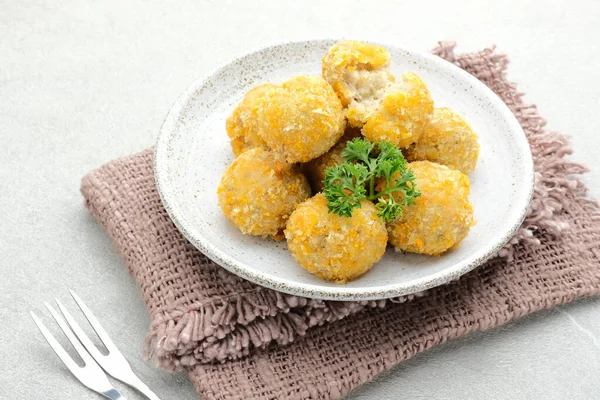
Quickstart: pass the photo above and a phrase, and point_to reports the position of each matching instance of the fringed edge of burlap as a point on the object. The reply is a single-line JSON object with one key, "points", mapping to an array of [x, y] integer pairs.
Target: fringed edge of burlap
{"points": [[226, 328]]}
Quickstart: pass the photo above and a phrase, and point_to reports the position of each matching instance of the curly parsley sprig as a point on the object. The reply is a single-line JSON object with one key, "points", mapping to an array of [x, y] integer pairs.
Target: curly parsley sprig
{"points": [[364, 163]]}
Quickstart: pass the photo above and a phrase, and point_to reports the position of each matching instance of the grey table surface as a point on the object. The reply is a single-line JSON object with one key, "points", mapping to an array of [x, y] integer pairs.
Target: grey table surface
{"points": [[83, 82]]}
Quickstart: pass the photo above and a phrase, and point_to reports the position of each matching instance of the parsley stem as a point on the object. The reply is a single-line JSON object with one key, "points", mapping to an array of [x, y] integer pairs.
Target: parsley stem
{"points": [[388, 191], [372, 166], [375, 196]]}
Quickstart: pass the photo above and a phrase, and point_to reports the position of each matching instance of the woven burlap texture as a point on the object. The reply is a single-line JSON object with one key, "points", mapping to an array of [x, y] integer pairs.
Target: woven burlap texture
{"points": [[273, 345]]}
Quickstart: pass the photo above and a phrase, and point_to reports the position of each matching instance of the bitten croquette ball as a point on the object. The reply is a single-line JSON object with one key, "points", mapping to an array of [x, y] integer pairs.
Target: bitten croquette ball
{"points": [[300, 119], [332, 247], [440, 218], [241, 126], [359, 74], [403, 113], [447, 139], [258, 193], [315, 169]]}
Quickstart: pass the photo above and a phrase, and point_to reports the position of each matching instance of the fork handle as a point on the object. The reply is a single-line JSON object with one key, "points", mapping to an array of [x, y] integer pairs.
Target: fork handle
{"points": [[137, 383], [112, 394]]}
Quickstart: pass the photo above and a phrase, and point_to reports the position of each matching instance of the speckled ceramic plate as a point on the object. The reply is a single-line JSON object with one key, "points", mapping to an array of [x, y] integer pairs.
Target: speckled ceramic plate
{"points": [[193, 151]]}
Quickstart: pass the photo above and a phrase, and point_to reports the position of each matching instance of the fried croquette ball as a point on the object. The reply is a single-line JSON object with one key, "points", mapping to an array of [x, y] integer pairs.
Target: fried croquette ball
{"points": [[240, 125], [315, 169], [300, 119], [258, 193], [359, 74], [440, 218], [447, 139], [332, 247], [403, 113]]}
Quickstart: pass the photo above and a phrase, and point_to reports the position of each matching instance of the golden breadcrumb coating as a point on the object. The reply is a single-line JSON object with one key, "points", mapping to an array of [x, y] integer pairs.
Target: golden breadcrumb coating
{"points": [[315, 169], [447, 139], [258, 193], [359, 74], [300, 119], [403, 113], [442, 215], [335, 248], [241, 126]]}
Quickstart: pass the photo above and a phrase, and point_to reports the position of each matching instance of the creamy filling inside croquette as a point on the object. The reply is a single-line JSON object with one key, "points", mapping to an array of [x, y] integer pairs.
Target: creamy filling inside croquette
{"points": [[369, 88]]}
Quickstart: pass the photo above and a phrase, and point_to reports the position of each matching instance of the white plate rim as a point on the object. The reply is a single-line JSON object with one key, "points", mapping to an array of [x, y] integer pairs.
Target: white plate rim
{"points": [[340, 292]]}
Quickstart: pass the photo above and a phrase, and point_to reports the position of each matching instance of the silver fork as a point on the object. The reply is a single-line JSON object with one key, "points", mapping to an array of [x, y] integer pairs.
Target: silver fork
{"points": [[91, 375]]}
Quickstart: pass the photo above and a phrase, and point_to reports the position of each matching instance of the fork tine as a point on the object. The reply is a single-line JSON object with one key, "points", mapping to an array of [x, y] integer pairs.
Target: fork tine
{"points": [[90, 375], [58, 349], [69, 334], [115, 364], [83, 338], [95, 324]]}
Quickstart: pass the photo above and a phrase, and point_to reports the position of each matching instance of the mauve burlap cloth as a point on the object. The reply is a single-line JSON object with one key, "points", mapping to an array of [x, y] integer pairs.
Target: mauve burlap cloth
{"points": [[273, 345]]}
